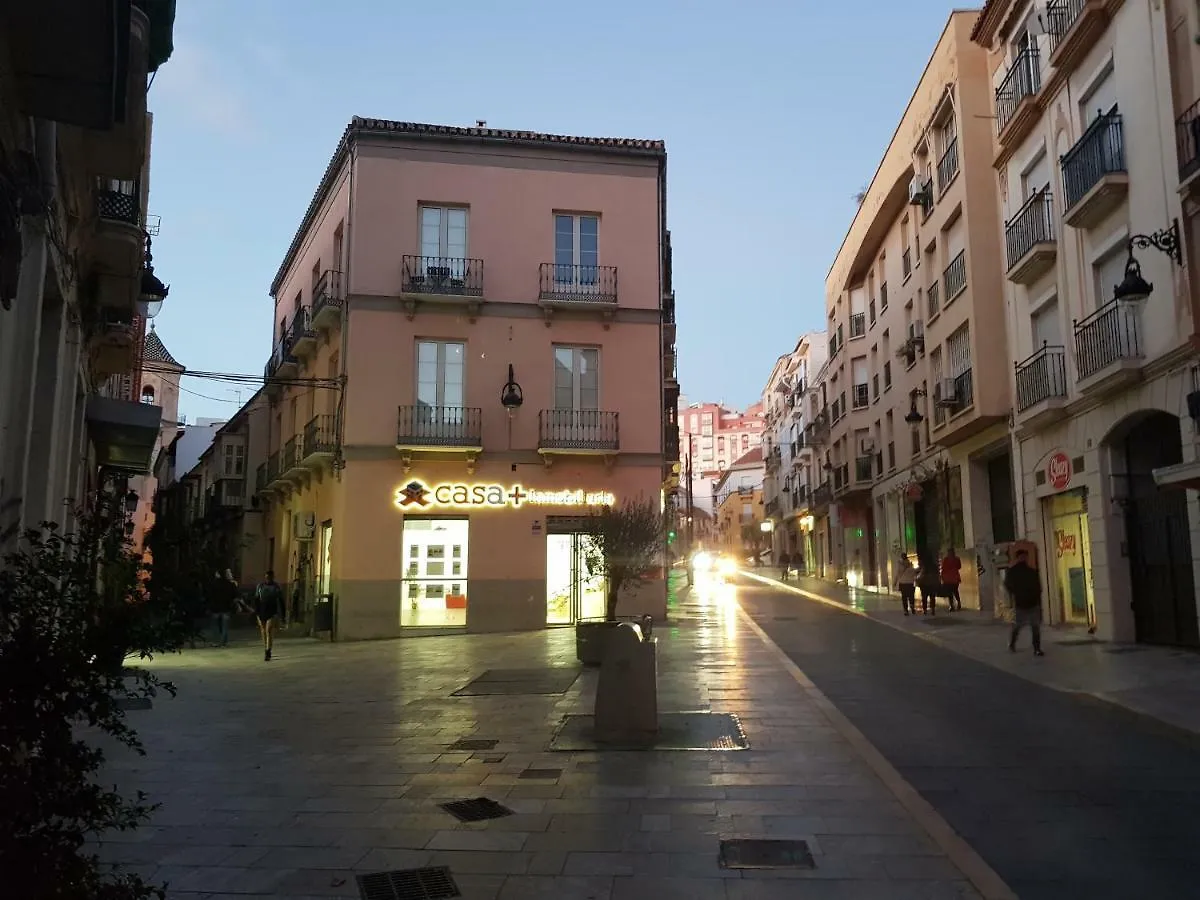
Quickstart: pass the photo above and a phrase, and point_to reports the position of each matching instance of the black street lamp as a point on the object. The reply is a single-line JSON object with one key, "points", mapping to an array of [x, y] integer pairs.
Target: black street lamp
{"points": [[511, 396], [1134, 288], [152, 291]]}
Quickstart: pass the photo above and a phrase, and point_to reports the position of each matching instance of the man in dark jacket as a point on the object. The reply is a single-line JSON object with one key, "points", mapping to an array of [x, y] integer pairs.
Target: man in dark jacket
{"points": [[268, 605], [1023, 584]]}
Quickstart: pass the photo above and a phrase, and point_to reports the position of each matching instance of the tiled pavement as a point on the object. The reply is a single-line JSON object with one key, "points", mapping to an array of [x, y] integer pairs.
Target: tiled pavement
{"points": [[1159, 682], [286, 779]]}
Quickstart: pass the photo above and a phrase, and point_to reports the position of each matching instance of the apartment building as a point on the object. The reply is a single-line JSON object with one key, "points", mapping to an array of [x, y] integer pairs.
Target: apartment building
{"points": [[717, 436], [916, 391], [788, 452], [76, 279], [1093, 186], [204, 486], [467, 323], [738, 501]]}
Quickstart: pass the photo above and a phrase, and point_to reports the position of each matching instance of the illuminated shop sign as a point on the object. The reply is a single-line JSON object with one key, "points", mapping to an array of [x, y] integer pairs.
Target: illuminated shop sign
{"points": [[417, 495]]}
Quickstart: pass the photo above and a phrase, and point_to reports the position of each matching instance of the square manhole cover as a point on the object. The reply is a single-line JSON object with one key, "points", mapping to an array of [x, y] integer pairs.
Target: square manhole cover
{"points": [[676, 731], [409, 884], [473, 744], [520, 682], [478, 810], [751, 853], [541, 774]]}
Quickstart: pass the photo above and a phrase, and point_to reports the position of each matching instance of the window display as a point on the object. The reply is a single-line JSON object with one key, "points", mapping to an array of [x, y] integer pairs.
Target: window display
{"points": [[434, 585]]}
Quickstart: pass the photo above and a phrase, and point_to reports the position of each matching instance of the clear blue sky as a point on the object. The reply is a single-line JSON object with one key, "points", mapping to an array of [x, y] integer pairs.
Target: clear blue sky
{"points": [[774, 116]]}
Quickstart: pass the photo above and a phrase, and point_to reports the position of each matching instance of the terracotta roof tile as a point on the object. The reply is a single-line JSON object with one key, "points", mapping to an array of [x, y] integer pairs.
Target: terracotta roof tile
{"points": [[363, 126]]}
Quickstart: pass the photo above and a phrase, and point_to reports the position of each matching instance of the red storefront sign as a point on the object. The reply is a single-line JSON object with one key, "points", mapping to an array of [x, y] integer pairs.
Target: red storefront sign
{"points": [[1058, 471]]}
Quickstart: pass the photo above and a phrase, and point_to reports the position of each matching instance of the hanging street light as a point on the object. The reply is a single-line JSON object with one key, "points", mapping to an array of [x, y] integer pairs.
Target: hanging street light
{"points": [[1134, 288]]}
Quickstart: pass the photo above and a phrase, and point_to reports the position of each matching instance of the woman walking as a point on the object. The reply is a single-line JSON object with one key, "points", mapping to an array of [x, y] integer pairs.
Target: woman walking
{"points": [[906, 584]]}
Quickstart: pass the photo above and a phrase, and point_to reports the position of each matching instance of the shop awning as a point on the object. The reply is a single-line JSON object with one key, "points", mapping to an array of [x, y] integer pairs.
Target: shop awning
{"points": [[1180, 475], [124, 432]]}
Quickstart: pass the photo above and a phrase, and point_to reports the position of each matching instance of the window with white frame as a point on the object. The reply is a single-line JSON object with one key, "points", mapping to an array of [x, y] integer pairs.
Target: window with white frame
{"points": [[1107, 273], [1045, 327], [235, 460], [443, 233], [440, 374], [576, 249], [576, 378]]}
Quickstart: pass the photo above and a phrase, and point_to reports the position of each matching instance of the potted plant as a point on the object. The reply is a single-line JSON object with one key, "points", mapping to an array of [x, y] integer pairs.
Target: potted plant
{"points": [[628, 542]]}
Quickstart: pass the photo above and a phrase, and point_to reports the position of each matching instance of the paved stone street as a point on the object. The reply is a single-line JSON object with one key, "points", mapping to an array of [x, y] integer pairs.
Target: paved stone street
{"points": [[1063, 796], [289, 778]]}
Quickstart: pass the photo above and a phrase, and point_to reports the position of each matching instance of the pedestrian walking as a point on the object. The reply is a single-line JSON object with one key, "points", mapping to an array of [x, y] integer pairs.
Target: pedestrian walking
{"points": [[221, 605], [929, 580], [1025, 587], [268, 605], [952, 579], [906, 584], [785, 562]]}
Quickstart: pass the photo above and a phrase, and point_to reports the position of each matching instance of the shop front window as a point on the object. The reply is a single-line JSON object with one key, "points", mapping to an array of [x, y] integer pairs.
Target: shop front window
{"points": [[434, 586], [1069, 553]]}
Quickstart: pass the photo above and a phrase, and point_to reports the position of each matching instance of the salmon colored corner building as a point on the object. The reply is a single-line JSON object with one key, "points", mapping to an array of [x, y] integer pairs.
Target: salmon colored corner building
{"points": [[473, 348]]}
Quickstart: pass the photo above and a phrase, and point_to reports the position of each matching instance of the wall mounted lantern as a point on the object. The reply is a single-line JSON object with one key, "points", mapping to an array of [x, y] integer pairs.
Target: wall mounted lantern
{"points": [[152, 291], [511, 396], [1134, 288]]}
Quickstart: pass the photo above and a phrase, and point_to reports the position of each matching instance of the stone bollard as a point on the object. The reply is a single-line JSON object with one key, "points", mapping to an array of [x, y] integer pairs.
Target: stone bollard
{"points": [[627, 695]]}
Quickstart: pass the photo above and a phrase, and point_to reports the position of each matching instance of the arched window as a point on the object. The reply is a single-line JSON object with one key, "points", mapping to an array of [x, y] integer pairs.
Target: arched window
{"points": [[148, 394]]}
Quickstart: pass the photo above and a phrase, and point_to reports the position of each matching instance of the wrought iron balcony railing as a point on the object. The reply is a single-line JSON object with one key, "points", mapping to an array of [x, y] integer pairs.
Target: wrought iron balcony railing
{"points": [[327, 293], [1108, 335], [858, 324], [864, 469], [320, 435], [860, 395], [577, 284], [1024, 79], [947, 167], [1033, 224], [1041, 376], [955, 276], [439, 426], [578, 429], [1060, 16], [273, 467], [964, 390], [449, 276], [118, 206], [934, 299], [290, 458], [1100, 152], [1187, 141]]}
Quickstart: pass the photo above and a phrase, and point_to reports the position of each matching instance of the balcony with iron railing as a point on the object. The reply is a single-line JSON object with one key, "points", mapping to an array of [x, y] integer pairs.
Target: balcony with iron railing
{"points": [[1073, 27], [858, 325], [118, 243], [947, 167], [860, 396], [774, 459], [320, 439], [327, 300], [302, 337], [423, 427], [1095, 180], [864, 469], [578, 431], [1108, 346], [577, 286], [954, 277], [289, 459], [281, 365], [1029, 239], [1187, 142], [822, 495], [934, 300], [964, 390], [272, 468], [1016, 98], [441, 278], [1041, 384]]}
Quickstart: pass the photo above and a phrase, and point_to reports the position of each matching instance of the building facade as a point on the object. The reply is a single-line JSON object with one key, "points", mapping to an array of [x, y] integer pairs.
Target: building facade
{"points": [[916, 392], [76, 285], [467, 325], [1092, 177], [788, 449], [738, 501]]}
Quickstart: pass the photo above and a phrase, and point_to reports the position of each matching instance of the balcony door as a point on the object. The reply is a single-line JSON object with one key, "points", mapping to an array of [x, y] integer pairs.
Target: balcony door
{"points": [[443, 244], [576, 252], [576, 415], [440, 389]]}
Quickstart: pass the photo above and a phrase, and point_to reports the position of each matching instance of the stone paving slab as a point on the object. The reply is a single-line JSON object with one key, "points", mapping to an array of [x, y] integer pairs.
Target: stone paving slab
{"points": [[1157, 682], [289, 778]]}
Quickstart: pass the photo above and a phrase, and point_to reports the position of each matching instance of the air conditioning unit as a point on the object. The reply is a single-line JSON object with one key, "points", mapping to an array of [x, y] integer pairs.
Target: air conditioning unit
{"points": [[945, 393], [916, 190], [866, 446], [304, 525], [916, 330]]}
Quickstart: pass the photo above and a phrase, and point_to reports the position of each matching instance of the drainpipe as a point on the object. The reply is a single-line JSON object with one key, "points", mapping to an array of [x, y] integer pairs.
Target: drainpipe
{"points": [[26, 327]]}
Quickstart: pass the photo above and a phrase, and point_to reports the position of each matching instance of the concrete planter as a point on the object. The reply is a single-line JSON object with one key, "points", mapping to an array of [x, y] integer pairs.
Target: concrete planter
{"points": [[591, 636]]}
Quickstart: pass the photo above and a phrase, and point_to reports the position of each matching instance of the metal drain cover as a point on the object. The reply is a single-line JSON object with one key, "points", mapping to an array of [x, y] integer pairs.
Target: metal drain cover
{"points": [[478, 810], [473, 744], [408, 884], [751, 853], [547, 774]]}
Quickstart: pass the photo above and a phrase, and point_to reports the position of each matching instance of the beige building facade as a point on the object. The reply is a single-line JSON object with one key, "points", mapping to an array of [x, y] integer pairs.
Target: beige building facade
{"points": [[912, 437]]}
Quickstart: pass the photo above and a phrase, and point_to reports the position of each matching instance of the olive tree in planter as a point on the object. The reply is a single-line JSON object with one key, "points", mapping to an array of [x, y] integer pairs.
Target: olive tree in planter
{"points": [[627, 543]]}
